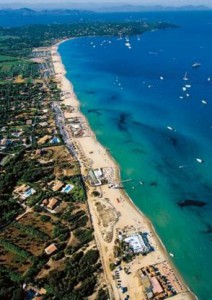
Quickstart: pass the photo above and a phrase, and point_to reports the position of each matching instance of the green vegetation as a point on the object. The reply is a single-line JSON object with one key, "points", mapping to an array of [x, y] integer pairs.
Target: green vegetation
{"points": [[102, 295], [61, 232], [15, 249], [9, 209], [78, 279], [16, 44], [20, 41], [84, 235], [38, 263], [90, 258], [10, 288], [78, 193], [29, 230], [5, 58], [19, 170]]}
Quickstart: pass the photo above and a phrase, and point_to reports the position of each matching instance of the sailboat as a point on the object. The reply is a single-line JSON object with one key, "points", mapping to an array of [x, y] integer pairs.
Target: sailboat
{"points": [[185, 76]]}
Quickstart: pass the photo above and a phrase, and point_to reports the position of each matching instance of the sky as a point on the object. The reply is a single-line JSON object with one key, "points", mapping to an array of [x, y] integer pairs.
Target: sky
{"points": [[68, 3]]}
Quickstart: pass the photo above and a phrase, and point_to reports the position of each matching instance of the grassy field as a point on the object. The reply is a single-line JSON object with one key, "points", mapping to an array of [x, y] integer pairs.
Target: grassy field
{"points": [[5, 58], [13, 67]]}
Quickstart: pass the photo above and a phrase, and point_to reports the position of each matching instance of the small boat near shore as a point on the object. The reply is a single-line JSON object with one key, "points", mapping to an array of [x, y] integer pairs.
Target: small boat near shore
{"points": [[128, 45], [171, 254]]}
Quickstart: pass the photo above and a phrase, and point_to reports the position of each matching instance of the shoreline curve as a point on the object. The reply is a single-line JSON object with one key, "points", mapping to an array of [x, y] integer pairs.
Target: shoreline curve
{"points": [[128, 204]]}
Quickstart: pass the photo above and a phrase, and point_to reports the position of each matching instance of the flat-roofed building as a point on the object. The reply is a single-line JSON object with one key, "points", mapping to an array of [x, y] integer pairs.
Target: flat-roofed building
{"points": [[156, 286], [28, 122], [94, 180], [98, 173], [137, 244], [50, 249], [57, 185]]}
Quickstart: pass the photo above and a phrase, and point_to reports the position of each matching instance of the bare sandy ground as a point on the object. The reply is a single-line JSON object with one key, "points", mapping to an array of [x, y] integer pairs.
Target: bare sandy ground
{"points": [[118, 214]]}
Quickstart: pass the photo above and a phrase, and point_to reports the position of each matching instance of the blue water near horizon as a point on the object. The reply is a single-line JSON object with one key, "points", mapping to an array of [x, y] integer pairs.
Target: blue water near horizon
{"points": [[129, 108]]}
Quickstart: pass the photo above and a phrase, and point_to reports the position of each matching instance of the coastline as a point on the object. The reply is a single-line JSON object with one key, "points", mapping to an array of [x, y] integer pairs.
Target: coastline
{"points": [[127, 213]]}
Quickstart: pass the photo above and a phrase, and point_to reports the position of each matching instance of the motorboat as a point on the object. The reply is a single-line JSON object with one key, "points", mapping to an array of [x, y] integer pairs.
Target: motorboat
{"points": [[199, 160], [196, 65]]}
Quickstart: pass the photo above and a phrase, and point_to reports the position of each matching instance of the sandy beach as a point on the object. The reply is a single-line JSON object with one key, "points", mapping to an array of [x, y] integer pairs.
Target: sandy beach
{"points": [[112, 211]]}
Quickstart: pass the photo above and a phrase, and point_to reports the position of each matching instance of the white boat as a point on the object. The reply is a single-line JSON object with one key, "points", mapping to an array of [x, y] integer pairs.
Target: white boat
{"points": [[161, 78], [128, 45], [185, 77], [209, 79], [181, 97], [187, 95], [170, 128], [184, 88], [188, 86], [199, 160], [196, 65], [171, 254], [141, 182], [204, 102]]}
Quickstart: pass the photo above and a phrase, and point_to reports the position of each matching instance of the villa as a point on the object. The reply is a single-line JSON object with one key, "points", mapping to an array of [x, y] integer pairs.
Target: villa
{"points": [[57, 185], [29, 192], [24, 191], [51, 204]]}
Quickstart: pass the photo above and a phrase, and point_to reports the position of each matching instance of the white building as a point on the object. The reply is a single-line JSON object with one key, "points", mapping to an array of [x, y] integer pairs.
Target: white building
{"points": [[137, 244]]}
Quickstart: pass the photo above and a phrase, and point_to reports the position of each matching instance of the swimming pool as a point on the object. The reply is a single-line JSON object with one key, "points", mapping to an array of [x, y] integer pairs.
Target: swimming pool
{"points": [[67, 188]]}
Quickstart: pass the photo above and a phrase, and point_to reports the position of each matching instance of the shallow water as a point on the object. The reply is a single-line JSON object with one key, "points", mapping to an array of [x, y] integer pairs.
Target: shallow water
{"points": [[129, 108]]}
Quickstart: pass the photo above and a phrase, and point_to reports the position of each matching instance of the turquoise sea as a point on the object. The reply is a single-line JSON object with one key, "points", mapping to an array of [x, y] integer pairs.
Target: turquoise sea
{"points": [[130, 96]]}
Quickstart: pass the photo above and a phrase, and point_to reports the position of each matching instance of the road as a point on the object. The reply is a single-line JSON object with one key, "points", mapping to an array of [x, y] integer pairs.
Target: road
{"points": [[65, 133]]}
